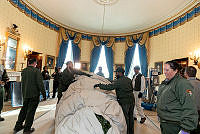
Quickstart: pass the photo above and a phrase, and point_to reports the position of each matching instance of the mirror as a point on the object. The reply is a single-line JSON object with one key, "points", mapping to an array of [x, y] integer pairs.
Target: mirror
{"points": [[11, 49]]}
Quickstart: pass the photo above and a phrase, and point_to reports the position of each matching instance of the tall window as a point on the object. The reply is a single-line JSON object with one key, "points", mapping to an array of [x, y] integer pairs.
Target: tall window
{"points": [[135, 62], [69, 55], [102, 63]]}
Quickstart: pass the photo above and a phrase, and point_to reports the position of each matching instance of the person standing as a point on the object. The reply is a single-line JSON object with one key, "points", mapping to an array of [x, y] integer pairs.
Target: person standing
{"points": [[32, 85], [138, 82], [68, 77], [46, 78], [56, 76], [175, 102], [190, 74], [125, 97], [100, 73], [3, 78]]}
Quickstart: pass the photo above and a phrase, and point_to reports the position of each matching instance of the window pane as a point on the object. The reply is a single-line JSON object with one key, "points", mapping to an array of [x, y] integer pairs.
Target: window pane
{"points": [[102, 63], [69, 55], [135, 62]]}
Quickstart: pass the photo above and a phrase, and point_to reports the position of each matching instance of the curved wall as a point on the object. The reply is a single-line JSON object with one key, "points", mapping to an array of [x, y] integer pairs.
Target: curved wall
{"points": [[38, 37], [175, 44]]}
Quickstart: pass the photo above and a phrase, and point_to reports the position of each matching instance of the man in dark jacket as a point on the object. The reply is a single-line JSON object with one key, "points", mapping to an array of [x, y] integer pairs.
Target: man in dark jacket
{"points": [[46, 78], [32, 85], [56, 76], [3, 79], [190, 74], [125, 97], [67, 78]]}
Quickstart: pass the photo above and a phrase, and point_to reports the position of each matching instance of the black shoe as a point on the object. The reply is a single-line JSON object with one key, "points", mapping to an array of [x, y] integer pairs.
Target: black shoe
{"points": [[142, 120], [135, 118], [29, 131], [2, 119], [17, 129]]}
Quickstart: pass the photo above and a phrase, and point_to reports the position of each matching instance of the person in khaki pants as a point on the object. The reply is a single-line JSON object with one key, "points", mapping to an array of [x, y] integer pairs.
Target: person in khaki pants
{"points": [[138, 82], [32, 85]]}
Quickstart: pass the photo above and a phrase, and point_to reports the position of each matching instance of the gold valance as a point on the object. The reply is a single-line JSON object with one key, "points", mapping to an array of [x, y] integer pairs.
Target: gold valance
{"points": [[95, 41], [145, 37], [138, 38], [99, 40], [110, 42], [129, 41], [77, 38]]}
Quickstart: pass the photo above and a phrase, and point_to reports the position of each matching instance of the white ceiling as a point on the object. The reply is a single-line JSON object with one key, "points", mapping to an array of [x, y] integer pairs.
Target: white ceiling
{"points": [[124, 16]]}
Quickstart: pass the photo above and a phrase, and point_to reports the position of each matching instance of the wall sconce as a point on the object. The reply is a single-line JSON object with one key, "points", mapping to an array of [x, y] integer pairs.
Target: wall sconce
{"points": [[196, 57], [2, 40], [27, 52]]}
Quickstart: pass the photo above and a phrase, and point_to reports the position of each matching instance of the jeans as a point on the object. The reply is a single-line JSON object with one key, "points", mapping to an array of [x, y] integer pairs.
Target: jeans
{"points": [[46, 87]]}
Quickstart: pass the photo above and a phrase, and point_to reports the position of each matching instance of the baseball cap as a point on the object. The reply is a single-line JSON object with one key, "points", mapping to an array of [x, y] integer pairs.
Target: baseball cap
{"points": [[137, 68]]}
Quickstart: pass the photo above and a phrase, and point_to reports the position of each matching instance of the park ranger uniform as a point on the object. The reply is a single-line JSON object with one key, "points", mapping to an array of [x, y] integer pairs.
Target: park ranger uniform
{"points": [[3, 78], [125, 97], [176, 106]]}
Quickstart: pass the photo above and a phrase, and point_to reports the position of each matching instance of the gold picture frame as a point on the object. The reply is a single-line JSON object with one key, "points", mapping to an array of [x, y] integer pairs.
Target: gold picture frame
{"points": [[11, 49], [159, 66], [50, 61]]}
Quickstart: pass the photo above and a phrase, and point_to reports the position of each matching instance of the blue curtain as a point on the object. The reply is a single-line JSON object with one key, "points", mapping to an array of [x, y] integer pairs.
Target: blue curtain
{"points": [[76, 52], [109, 61], [143, 59], [62, 53], [75, 49], [94, 57], [128, 58]]}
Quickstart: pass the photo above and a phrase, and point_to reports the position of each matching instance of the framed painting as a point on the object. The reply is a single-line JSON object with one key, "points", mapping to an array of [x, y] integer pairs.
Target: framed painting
{"points": [[159, 67], [50, 61], [84, 66]]}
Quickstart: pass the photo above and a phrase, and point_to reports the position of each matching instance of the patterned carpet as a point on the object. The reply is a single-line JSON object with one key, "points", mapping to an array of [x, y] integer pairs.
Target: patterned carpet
{"points": [[7, 107]]}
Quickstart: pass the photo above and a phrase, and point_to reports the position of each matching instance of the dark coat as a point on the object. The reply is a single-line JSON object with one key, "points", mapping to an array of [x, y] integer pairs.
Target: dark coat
{"points": [[32, 83]]}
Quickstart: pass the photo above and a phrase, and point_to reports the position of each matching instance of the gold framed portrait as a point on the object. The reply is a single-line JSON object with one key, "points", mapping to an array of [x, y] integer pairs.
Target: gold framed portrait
{"points": [[50, 61]]}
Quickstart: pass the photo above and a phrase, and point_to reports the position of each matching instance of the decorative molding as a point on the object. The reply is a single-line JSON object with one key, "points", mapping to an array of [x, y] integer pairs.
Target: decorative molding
{"points": [[54, 25], [28, 11], [189, 15]]}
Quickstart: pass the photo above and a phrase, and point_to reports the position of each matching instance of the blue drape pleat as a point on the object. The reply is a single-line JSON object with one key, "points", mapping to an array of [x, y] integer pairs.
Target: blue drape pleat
{"points": [[128, 58], [143, 59], [76, 52], [94, 58], [109, 61], [62, 53]]}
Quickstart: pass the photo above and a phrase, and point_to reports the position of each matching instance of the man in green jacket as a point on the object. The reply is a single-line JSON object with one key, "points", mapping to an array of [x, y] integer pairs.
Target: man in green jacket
{"points": [[175, 105], [190, 74], [125, 97], [3, 79], [32, 85]]}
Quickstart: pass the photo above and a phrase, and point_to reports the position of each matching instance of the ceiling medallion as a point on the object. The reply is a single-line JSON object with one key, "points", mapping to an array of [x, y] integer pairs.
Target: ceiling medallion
{"points": [[106, 2]]}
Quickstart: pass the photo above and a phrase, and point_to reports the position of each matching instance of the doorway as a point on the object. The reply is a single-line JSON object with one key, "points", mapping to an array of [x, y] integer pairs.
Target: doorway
{"points": [[38, 57]]}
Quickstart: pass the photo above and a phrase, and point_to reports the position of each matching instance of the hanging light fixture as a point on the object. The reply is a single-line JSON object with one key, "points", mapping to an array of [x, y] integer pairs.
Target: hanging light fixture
{"points": [[106, 2]]}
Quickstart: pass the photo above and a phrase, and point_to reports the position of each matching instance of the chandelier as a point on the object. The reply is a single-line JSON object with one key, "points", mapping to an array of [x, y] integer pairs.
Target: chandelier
{"points": [[106, 2]]}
